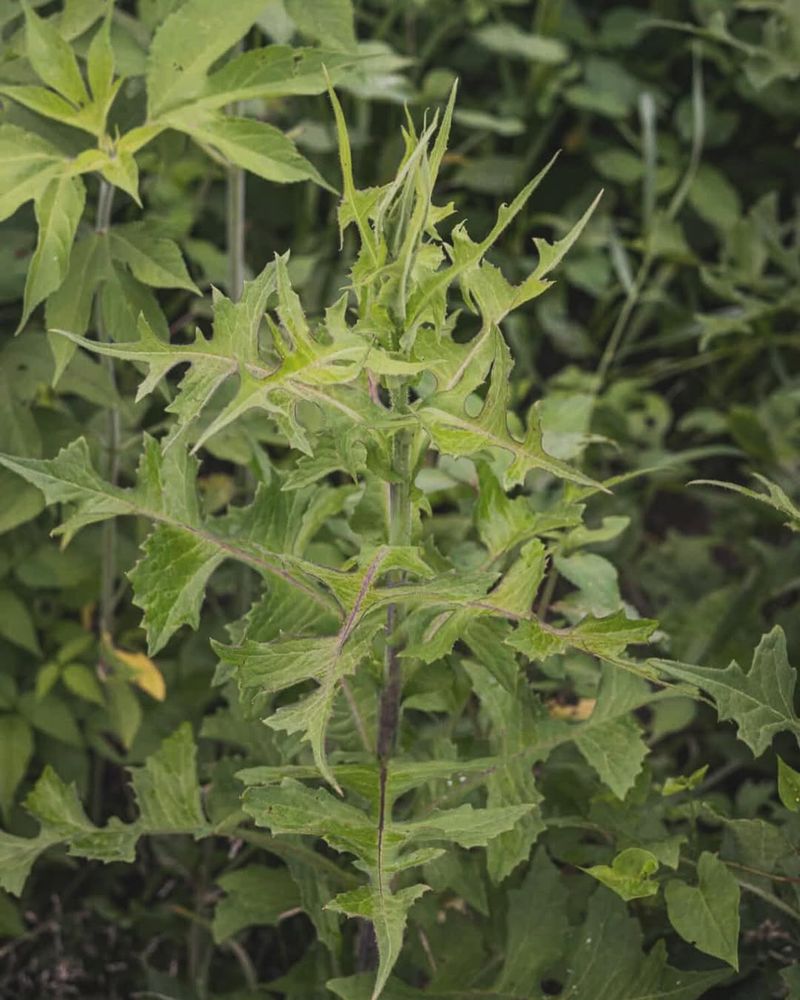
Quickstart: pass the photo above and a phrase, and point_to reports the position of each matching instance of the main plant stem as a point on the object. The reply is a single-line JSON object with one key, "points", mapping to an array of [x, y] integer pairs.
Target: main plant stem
{"points": [[108, 573], [399, 534], [235, 222]]}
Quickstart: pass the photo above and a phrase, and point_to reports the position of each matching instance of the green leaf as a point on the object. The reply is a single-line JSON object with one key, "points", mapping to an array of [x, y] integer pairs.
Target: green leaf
{"points": [[513, 714], [57, 807], [52, 58], [254, 896], [610, 739], [170, 580], [187, 44], [270, 667], [19, 502], [330, 373], [551, 254], [454, 432], [707, 915], [256, 146], [606, 960], [16, 749], [606, 638], [788, 786], [52, 716], [775, 497], [165, 494], [271, 72], [595, 577], [388, 914], [502, 522], [326, 21], [509, 40], [166, 787], [629, 874], [153, 259], [58, 212], [714, 198], [760, 702], [17, 855], [536, 926], [100, 63], [80, 680], [16, 624], [70, 307], [27, 165]]}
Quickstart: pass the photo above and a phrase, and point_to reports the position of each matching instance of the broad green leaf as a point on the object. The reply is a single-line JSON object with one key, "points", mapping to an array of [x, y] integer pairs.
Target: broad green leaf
{"points": [[788, 786], [166, 495], [52, 58], [187, 44], [169, 582], [596, 579], [509, 40], [501, 522], [50, 105], [58, 212], [536, 926], [254, 895], [760, 702], [27, 165], [80, 680], [714, 198], [606, 960], [606, 637], [513, 714], [18, 502], [57, 807], [256, 146], [166, 787], [153, 259], [70, 307], [467, 826], [629, 875], [707, 915], [16, 748], [610, 739], [100, 63], [326, 21], [17, 855], [16, 624], [388, 913], [271, 72]]}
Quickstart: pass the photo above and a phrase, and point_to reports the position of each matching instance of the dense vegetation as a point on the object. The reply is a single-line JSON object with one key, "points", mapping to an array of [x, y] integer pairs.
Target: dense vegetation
{"points": [[399, 535]]}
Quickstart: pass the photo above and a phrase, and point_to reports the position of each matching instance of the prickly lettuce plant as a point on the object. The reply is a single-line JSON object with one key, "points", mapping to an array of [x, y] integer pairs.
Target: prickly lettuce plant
{"points": [[472, 749], [118, 136]]}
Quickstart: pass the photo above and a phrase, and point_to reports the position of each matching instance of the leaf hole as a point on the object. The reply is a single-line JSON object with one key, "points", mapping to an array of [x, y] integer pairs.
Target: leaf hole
{"points": [[551, 987]]}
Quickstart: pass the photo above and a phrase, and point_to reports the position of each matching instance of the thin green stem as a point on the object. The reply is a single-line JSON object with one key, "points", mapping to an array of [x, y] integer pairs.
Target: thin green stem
{"points": [[108, 572], [235, 224]]}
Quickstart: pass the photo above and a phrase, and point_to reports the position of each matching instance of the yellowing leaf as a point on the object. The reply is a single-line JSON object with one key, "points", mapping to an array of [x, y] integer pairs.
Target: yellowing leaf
{"points": [[146, 674], [578, 712]]}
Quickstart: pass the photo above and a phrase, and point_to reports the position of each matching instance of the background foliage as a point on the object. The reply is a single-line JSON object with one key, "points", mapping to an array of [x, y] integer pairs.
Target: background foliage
{"points": [[154, 151]]}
